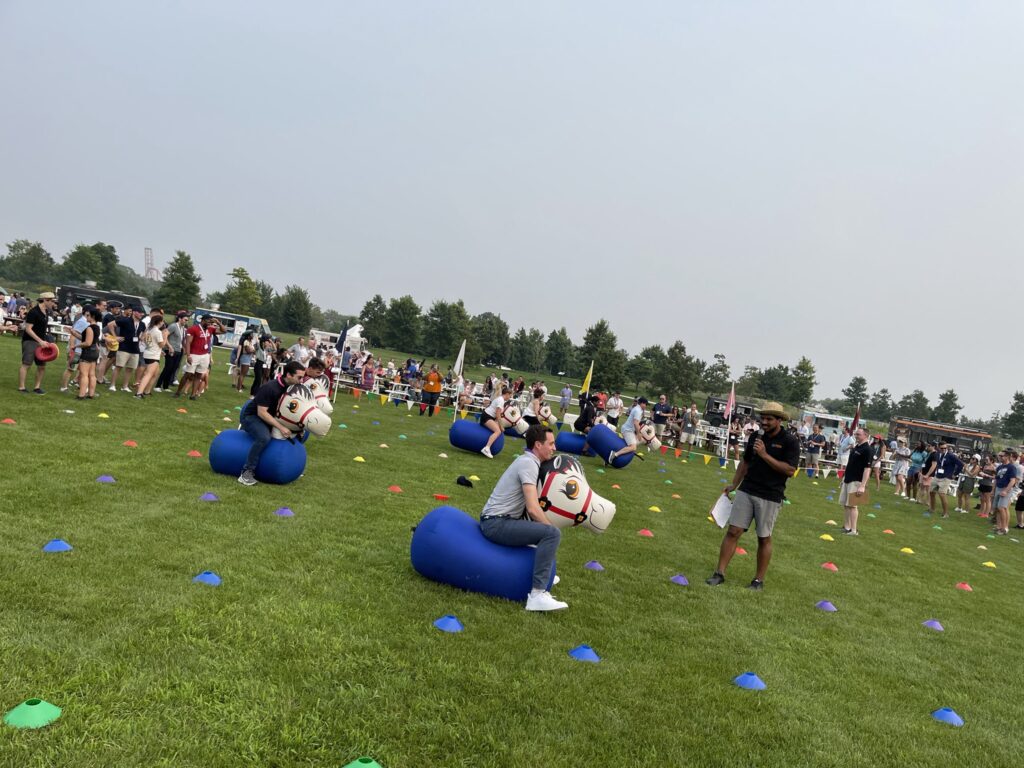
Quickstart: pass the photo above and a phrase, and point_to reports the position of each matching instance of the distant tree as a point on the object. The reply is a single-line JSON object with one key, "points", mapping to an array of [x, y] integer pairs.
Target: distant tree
{"points": [[837, 405], [559, 352], [295, 310], [28, 262], [269, 306], [491, 339], [678, 374], [445, 326], [639, 369], [403, 325], [240, 295], [802, 381], [948, 408], [748, 385], [372, 319], [775, 384], [80, 264], [914, 406], [110, 277], [993, 424], [600, 345], [856, 392], [1013, 422], [180, 287], [333, 320], [526, 351], [717, 375], [879, 407]]}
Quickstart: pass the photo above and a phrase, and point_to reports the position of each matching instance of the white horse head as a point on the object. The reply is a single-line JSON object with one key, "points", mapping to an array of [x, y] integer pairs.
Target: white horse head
{"points": [[509, 416], [649, 437], [320, 386], [297, 408], [566, 497]]}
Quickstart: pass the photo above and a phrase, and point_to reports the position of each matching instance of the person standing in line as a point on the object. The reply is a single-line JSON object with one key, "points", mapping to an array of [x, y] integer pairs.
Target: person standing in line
{"points": [[946, 469], [660, 413], [771, 457], [432, 383], [174, 336], [917, 459], [901, 465], [33, 336], [1006, 479], [855, 480], [967, 480], [613, 408], [90, 353], [815, 445]]}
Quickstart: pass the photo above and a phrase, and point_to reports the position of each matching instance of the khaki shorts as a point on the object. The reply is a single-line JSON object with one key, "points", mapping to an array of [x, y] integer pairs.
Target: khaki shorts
{"points": [[747, 508], [199, 364], [939, 485], [812, 459], [659, 429], [127, 359], [629, 437], [846, 491]]}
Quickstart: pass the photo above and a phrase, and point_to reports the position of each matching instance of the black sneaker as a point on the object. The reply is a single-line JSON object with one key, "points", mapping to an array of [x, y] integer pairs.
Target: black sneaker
{"points": [[757, 585], [38, 391], [716, 579], [844, 530], [248, 477]]}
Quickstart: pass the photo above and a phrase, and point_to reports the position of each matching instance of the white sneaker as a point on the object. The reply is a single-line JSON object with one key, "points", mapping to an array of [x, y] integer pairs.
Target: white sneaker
{"points": [[543, 601], [125, 389], [487, 452], [157, 389], [555, 581], [63, 389], [113, 388]]}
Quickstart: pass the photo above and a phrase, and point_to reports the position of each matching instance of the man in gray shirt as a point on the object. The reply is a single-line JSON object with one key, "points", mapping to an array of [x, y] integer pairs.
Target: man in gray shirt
{"points": [[512, 515], [174, 335]]}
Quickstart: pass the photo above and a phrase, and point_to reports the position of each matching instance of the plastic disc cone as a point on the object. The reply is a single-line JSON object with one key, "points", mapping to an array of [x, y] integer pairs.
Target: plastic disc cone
{"points": [[964, 586], [105, 479], [830, 567], [209, 497], [34, 713], [448, 623], [947, 715], [645, 532], [584, 653], [679, 579], [933, 624], [57, 545], [989, 564], [750, 682], [907, 550], [593, 565], [826, 537], [825, 605], [284, 512], [363, 762], [209, 578]]}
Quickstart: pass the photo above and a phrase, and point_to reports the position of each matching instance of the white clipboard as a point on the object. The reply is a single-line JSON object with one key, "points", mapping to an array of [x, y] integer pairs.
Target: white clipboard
{"points": [[722, 510]]}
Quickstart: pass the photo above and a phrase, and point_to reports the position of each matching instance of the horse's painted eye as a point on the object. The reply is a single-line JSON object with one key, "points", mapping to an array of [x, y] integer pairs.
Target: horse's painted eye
{"points": [[572, 489], [293, 406]]}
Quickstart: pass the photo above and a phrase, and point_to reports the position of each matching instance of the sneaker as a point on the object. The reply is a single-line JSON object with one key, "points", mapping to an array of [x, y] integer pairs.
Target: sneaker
{"points": [[543, 601], [716, 579], [157, 389], [851, 533], [39, 391], [756, 584], [63, 389], [23, 390], [113, 388], [248, 477], [610, 459], [487, 452], [844, 530], [554, 582], [1019, 526], [139, 397], [126, 389]]}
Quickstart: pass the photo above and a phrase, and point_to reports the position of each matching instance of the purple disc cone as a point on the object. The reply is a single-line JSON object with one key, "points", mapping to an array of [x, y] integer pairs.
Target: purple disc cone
{"points": [[376, 423], [209, 497], [284, 512], [663, 470], [209, 578], [593, 565], [57, 545], [584, 653], [106, 479], [680, 580], [448, 624], [825, 605], [750, 682], [933, 624], [947, 715]]}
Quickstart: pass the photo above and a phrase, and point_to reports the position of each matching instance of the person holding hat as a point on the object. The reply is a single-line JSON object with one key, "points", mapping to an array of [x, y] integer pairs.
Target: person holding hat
{"points": [[630, 429], [33, 336], [771, 457]]}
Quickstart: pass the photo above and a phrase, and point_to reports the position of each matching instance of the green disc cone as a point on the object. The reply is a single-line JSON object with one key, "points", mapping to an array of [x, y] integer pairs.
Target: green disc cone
{"points": [[34, 713], [363, 762]]}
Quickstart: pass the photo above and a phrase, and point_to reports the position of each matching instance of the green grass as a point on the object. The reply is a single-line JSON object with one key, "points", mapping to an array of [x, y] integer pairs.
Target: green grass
{"points": [[318, 647]]}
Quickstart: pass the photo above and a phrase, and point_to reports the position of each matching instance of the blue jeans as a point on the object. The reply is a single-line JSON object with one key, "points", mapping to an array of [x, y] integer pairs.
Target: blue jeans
{"points": [[519, 533], [258, 430]]}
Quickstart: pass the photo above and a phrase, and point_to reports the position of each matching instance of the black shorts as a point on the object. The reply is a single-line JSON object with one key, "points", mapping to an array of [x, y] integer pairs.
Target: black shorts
{"points": [[486, 417], [734, 440], [613, 420], [90, 355], [531, 420], [982, 488], [151, 362], [429, 398], [1019, 506]]}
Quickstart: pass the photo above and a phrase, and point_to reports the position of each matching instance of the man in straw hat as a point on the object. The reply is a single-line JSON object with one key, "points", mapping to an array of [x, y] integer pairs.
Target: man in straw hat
{"points": [[33, 336], [771, 457]]}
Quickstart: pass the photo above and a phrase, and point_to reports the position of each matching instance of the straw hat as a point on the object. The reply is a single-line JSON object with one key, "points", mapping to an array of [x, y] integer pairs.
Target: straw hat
{"points": [[773, 409]]}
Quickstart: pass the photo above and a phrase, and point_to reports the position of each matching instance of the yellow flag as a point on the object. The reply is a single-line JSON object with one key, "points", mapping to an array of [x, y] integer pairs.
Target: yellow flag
{"points": [[586, 381], [463, 413], [383, 399], [706, 460]]}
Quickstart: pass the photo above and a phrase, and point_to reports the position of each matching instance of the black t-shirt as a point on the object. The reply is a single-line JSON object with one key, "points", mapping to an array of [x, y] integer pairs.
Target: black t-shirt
{"points": [[931, 461], [130, 331], [761, 480], [586, 418], [815, 443], [860, 459], [36, 318], [268, 395]]}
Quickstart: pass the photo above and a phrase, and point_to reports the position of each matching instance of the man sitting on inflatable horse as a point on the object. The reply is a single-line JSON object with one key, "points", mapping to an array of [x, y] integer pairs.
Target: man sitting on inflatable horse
{"points": [[513, 516]]}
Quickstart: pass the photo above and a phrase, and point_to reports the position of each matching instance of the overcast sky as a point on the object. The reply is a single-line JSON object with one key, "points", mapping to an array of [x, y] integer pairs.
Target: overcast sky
{"points": [[841, 180]]}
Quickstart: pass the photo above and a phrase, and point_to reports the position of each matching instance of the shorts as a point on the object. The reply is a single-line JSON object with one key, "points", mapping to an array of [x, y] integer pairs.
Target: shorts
{"points": [[913, 472], [1002, 502], [1019, 506], [846, 492], [659, 430], [90, 355], [982, 488], [485, 418], [746, 508], [430, 398], [939, 485], [148, 361], [28, 352], [127, 359], [967, 486], [531, 420], [199, 364], [812, 459], [245, 360], [629, 437], [844, 459], [734, 439], [613, 420], [876, 464]]}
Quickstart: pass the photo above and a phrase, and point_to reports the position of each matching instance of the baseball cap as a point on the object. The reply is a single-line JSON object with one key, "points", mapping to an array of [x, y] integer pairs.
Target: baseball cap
{"points": [[46, 295]]}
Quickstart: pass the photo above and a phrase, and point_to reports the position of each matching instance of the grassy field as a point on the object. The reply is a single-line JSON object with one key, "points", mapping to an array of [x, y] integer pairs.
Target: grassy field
{"points": [[318, 646]]}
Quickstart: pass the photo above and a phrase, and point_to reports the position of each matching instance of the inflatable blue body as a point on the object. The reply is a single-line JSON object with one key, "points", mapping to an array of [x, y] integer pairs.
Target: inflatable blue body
{"points": [[604, 441], [470, 436], [571, 442], [447, 546], [281, 461]]}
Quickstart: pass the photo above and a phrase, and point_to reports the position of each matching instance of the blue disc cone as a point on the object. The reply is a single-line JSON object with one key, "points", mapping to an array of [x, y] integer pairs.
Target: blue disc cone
{"points": [[750, 682], [376, 423], [57, 545], [594, 565], [947, 715], [106, 479], [584, 653], [209, 578], [878, 506], [448, 623], [284, 512], [933, 624], [209, 497], [826, 606], [679, 579]]}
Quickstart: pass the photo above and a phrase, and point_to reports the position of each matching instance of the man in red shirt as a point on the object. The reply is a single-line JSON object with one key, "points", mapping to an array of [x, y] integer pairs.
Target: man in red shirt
{"points": [[198, 354]]}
